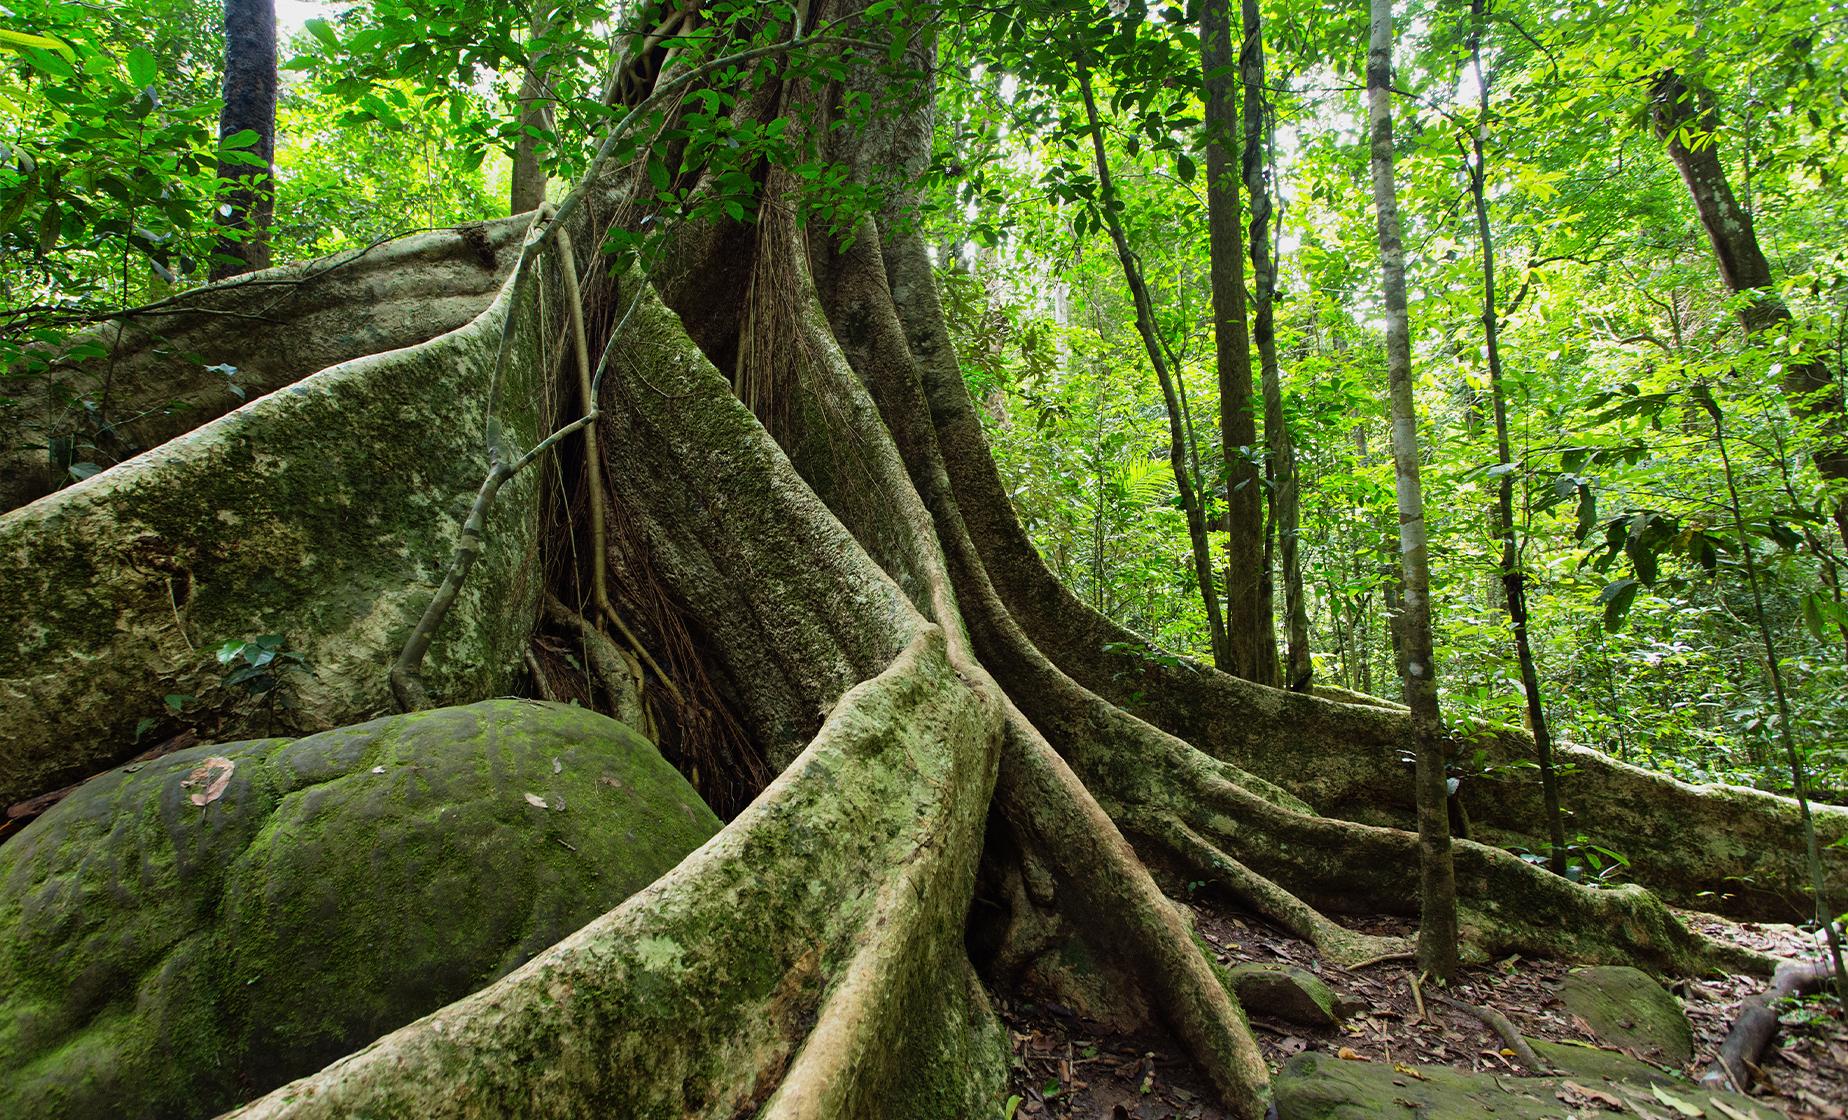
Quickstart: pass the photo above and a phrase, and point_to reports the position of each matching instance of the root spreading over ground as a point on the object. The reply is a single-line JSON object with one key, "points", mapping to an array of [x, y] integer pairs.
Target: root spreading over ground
{"points": [[806, 534]]}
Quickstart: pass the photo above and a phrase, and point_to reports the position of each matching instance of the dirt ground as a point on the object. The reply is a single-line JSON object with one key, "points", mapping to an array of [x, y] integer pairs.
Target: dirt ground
{"points": [[1067, 1067]]}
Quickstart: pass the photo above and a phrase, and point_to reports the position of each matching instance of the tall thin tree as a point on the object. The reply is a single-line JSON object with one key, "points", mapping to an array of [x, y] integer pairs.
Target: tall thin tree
{"points": [[1249, 630], [1187, 484], [1437, 927], [1513, 573], [1285, 511], [1687, 118], [250, 105], [535, 119]]}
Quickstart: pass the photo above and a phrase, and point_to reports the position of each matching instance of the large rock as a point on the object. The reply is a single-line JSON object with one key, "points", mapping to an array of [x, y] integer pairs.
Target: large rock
{"points": [[1628, 1010], [160, 957], [1323, 1087]]}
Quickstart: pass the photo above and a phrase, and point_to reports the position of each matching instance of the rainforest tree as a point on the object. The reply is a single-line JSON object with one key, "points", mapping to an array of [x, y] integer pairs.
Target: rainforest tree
{"points": [[791, 545]]}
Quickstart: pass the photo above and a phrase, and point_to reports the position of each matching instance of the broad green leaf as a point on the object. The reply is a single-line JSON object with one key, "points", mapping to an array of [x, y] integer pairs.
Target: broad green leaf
{"points": [[142, 69]]}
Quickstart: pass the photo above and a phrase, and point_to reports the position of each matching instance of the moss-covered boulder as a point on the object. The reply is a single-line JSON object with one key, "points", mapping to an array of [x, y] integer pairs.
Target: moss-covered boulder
{"points": [[181, 935], [1323, 1087], [1628, 1010]]}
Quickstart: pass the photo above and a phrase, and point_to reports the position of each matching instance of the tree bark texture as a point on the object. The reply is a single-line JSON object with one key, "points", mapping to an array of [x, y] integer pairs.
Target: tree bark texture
{"points": [[250, 103], [1284, 498], [1688, 122], [1513, 574], [536, 114], [955, 775], [1437, 930], [1190, 486], [1250, 635]]}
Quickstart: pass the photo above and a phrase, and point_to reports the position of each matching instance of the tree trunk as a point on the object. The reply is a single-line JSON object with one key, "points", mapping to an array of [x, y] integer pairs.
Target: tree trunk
{"points": [[1688, 121], [1285, 500], [1189, 485], [1513, 576], [250, 104], [535, 115], [1437, 929], [911, 712], [1250, 636]]}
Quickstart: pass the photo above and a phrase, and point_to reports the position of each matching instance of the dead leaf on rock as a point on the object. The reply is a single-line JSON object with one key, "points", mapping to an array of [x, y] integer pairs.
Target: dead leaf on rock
{"points": [[1347, 1054], [214, 775], [536, 801], [1578, 1096]]}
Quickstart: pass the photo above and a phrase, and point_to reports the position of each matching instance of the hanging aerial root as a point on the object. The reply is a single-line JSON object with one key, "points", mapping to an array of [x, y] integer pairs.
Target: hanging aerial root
{"points": [[613, 668]]}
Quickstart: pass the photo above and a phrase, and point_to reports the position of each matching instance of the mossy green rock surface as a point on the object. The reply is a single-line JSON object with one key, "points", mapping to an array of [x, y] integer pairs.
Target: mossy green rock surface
{"points": [[1628, 1010], [1294, 995], [1323, 1087], [162, 958]]}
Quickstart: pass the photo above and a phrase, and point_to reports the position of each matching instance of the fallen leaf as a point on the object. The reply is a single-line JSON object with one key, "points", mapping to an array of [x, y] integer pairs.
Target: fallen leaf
{"points": [[1671, 1100], [1349, 1055], [1401, 1067], [214, 774], [536, 801], [1586, 1093], [557, 767], [378, 769], [1732, 1113]]}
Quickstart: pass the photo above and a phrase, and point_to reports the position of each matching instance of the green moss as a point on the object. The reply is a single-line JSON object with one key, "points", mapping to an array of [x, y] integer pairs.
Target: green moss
{"points": [[324, 512], [1627, 1009], [167, 958]]}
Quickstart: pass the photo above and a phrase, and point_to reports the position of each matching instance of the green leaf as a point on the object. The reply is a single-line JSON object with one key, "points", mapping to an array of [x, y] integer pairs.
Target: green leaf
{"points": [[1184, 167], [1617, 598], [243, 139], [16, 40], [323, 31], [142, 69]]}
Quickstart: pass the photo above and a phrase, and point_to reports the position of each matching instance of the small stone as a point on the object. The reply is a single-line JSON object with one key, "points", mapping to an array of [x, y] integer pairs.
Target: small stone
{"points": [[1291, 994]]}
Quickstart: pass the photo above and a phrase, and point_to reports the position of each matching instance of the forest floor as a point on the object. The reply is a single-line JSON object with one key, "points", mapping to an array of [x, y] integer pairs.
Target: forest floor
{"points": [[1068, 1067]]}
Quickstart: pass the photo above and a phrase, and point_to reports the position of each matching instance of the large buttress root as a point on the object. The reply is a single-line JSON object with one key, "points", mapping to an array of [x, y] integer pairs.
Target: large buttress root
{"points": [[1711, 846], [1264, 845], [174, 365]]}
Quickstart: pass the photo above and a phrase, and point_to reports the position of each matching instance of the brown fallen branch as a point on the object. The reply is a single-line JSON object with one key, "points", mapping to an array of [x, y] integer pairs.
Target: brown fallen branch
{"points": [[1757, 1024], [1511, 1038]]}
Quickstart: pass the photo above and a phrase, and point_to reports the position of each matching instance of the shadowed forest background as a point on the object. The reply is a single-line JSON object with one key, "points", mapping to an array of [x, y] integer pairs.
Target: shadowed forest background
{"points": [[1394, 429]]}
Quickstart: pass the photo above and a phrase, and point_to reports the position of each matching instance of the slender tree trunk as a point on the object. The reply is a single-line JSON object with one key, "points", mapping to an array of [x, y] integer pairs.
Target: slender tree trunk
{"points": [[1285, 505], [1799, 779], [529, 178], [1813, 395], [250, 103], [1513, 575], [1437, 930], [1249, 631], [1192, 500]]}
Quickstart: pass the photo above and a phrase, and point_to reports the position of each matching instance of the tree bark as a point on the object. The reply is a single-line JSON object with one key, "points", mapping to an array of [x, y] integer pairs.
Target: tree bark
{"points": [[843, 571], [529, 177], [1250, 635], [1437, 929], [1687, 120], [1513, 574], [1190, 487], [1285, 499], [250, 103]]}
